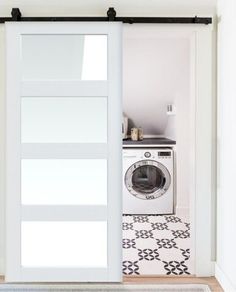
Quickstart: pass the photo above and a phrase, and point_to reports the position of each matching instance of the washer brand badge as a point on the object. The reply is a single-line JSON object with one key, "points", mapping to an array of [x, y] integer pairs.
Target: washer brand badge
{"points": [[150, 197]]}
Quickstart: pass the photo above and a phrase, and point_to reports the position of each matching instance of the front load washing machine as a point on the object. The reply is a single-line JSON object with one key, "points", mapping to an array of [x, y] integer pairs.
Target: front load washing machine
{"points": [[148, 186]]}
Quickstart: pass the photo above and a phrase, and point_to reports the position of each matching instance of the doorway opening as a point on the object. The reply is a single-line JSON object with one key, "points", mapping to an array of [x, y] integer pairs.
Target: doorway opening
{"points": [[158, 171]]}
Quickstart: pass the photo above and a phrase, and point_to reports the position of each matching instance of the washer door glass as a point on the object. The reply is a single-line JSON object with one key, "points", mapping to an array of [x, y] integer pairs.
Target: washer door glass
{"points": [[147, 179]]}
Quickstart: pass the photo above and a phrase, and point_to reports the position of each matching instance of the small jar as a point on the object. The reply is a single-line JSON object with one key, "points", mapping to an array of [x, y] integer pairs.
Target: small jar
{"points": [[134, 134], [140, 133]]}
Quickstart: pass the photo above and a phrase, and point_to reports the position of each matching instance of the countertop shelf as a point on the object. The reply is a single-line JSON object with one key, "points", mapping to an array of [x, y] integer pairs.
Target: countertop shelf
{"points": [[149, 142]]}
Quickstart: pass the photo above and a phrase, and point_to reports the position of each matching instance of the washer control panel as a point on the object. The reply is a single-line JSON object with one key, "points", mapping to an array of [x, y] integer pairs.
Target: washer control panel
{"points": [[164, 154]]}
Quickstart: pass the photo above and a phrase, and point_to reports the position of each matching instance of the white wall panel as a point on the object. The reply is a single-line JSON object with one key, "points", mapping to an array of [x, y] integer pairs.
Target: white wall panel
{"points": [[226, 139]]}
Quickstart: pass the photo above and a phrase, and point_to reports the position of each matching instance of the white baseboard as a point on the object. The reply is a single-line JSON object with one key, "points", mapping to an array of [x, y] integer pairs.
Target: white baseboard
{"points": [[223, 280], [183, 213]]}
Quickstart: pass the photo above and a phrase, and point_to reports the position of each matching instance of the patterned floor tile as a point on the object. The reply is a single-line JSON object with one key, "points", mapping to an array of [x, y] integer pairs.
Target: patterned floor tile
{"points": [[176, 268], [128, 218], [156, 245], [144, 234], [177, 226], [129, 234], [128, 243], [183, 243], [189, 263], [141, 218], [132, 254], [159, 226], [151, 268], [171, 254], [148, 254], [166, 243], [146, 243], [157, 218], [127, 226], [179, 233], [142, 226], [130, 268], [172, 219], [160, 234]]}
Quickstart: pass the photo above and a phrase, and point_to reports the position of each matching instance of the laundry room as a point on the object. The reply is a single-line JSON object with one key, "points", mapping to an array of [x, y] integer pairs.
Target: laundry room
{"points": [[158, 143]]}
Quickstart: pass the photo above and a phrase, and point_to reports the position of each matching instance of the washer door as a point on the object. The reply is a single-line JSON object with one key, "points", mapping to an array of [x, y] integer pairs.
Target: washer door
{"points": [[147, 179]]}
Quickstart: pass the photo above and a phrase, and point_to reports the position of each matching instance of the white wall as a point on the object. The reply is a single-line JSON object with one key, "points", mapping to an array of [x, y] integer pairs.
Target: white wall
{"points": [[156, 72], [226, 199], [88, 7], [99, 7], [2, 149]]}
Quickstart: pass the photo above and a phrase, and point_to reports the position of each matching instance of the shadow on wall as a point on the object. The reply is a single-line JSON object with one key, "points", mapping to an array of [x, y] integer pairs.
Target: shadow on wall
{"points": [[155, 73], [168, 132]]}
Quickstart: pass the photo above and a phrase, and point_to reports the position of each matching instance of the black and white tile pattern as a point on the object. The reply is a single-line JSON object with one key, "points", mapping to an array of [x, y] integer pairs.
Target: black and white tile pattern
{"points": [[156, 245]]}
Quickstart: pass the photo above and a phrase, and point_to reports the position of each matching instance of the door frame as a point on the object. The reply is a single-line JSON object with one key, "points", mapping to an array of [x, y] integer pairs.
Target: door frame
{"points": [[203, 203], [202, 139]]}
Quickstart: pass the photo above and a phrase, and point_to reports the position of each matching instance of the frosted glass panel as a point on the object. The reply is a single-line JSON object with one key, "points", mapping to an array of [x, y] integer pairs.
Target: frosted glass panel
{"points": [[64, 244], [55, 57], [64, 181], [64, 120]]}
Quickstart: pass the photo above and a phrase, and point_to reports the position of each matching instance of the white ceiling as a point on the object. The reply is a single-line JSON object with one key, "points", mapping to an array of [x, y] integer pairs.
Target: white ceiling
{"points": [[99, 7]]}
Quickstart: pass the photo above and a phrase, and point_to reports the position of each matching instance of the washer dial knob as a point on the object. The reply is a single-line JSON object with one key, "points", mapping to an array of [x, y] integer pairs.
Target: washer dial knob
{"points": [[147, 154]]}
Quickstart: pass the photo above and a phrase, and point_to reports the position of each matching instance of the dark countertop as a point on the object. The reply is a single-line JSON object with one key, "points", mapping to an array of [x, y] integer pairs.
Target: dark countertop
{"points": [[150, 141]]}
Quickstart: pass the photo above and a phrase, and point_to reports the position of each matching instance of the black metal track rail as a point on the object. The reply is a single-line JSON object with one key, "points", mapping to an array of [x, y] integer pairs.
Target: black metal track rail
{"points": [[111, 16]]}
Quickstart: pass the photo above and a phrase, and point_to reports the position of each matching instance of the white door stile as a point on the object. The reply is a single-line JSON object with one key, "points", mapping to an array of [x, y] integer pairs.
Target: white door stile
{"points": [[111, 151], [13, 165], [115, 176]]}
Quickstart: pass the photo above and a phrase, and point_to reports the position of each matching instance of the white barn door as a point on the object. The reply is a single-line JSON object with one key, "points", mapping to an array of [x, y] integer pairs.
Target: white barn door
{"points": [[63, 152]]}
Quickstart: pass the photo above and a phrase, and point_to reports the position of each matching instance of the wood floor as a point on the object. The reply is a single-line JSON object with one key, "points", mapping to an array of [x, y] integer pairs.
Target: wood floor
{"points": [[210, 281]]}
